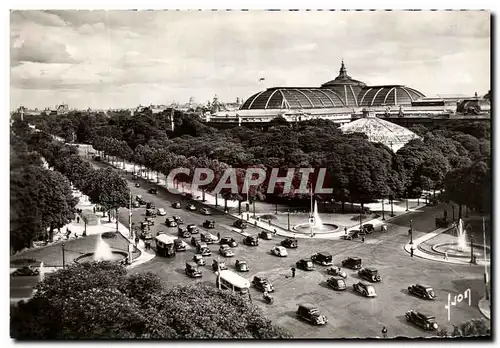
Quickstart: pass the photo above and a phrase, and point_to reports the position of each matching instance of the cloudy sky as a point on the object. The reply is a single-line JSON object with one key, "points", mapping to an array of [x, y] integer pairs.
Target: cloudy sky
{"points": [[116, 59]]}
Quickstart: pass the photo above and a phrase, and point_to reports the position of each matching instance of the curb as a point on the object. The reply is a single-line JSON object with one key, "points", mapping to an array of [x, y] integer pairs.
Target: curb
{"points": [[485, 307]]}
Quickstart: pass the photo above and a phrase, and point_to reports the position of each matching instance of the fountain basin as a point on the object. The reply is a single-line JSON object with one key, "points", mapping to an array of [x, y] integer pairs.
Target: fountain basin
{"points": [[305, 228], [116, 257], [454, 250]]}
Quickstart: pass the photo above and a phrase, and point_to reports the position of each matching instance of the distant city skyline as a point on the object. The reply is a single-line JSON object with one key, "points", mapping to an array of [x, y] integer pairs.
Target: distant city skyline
{"points": [[120, 59]]}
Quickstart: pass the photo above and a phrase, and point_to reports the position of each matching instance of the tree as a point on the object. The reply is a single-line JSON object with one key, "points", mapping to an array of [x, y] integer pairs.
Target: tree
{"points": [[471, 328], [98, 300]]}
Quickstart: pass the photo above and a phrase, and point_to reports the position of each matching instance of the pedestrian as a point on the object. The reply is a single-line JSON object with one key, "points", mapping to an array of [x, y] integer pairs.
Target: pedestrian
{"points": [[293, 272], [363, 238], [446, 255], [384, 332], [275, 232], [411, 251], [345, 231], [136, 241], [94, 209], [77, 219], [218, 235]]}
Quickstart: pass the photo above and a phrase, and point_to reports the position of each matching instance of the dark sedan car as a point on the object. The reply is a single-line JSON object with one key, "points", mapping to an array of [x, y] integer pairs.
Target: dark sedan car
{"points": [[352, 263], [425, 321], [290, 243], [305, 264], [251, 240], [229, 241], [153, 191], [265, 235], [177, 205], [337, 283], [423, 291], [370, 274]]}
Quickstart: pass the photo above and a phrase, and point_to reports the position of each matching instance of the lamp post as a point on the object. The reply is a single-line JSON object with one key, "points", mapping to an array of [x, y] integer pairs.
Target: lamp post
{"points": [[411, 233], [64, 264], [471, 237], [276, 208], [406, 201], [383, 213], [253, 204], [288, 212], [84, 218], [453, 212], [116, 216], [392, 207]]}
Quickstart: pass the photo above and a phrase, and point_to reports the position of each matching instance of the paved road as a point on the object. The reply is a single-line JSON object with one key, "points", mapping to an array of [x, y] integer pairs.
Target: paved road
{"points": [[350, 315]]}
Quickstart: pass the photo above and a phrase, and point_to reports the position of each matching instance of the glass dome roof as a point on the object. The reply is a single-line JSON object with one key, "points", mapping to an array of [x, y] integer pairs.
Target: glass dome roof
{"points": [[388, 95]]}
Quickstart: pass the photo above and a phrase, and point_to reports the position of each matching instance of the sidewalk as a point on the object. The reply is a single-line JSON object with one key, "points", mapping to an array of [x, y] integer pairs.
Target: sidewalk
{"points": [[485, 307]]}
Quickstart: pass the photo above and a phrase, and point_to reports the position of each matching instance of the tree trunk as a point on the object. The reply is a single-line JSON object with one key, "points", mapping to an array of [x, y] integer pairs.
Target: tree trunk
{"points": [[343, 206], [51, 233], [225, 204], [157, 177], [216, 200], [434, 194], [362, 207], [203, 195], [459, 211], [109, 216], [239, 207]]}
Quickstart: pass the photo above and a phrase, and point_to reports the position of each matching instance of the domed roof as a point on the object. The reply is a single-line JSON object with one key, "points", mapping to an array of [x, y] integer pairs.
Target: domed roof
{"points": [[343, 79], [293, 98], [381, 131], [388, 95]]}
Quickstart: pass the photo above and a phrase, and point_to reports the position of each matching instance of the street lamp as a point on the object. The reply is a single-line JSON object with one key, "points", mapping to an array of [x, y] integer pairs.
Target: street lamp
{"points": [[383, 215], [406, 201], [453, 212], [471, 237], [288, 211], [411, 233], [253, 204], [64, 264]]}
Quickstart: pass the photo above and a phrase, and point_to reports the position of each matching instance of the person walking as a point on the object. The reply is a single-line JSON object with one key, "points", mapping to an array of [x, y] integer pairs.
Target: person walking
{"points": [[218, 235], [275, 232], [363, 238], [411, 251], [136, 241], [345, 230], [384, 332], [293, 272], [77, 219], [446, 255]]}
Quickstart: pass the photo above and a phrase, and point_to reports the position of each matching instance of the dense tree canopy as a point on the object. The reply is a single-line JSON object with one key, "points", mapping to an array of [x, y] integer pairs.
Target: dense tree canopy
{"points": [[99, 301]]}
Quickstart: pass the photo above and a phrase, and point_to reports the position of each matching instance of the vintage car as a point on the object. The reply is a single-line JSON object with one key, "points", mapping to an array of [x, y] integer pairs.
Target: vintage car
{"points": [[291, 243], [150, 205], [305, 264], [183, 232], [209, 224], [179, 245], [352, 234], [336, 271], [251, 241], [323, 258], [178, 219], [262, 284], [279, 251], [148, 235], [368, 228], [208, 238], [150, 212], [200, 261], [370, 274], [203, 249], [192, 270], [365, 289], [241, 266], [161, 212], [191, 207], [136, 204], [218, 265], [149, 220], [352, 263], [192, 229], [153, 191], [194, 241], [229, 241], [265, 235], [423, 291], [426, 322], [177, 205], [135, 177], [205, 211], [139, 199], [137, 184], [336, 283], [310, 313], [240, 224], [26, 271], [170, 222], [226, 251]]}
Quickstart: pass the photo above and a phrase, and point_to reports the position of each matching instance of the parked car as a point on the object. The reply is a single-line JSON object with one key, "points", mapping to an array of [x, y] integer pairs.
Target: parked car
{"points": [[150, 205], [177, 205], [139, 199], [194, 241], [423, 291], [279, 251], [425, 321], [336, 271], [209, 224], [240, 224], [229, 241], [323, 258], [336, 283], [26, 271], [137, 184], [365, 289], [192, 270], [200, 261], [262, 284], [178, 219], [226, 251], [192, 229], [179, 245], [251, 241], [265, 235], [205, 211], [291, 243], [311, 314], [352, 263], [208, 238], [170, 222], [370, 274], [149, 220], [242, 266], [150, 212], [368, 228], [153, 190], [203, 249], [191, 207], [161, 212], [183, 232], [352, 234], [305, 264], [218, 265], [136, 204]]}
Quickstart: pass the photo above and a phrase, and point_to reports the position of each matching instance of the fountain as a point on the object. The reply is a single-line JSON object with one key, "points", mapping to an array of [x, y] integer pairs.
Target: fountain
{"points": [[461, 241], [102, 252], [315, 224]]}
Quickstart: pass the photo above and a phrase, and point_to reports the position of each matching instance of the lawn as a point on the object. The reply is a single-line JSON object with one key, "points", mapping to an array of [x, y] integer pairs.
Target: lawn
{"points": [[51, 255]]}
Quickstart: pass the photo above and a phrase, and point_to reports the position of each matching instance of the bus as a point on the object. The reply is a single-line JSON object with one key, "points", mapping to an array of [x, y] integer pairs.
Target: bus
{"points": [[229, 280], [164, 245]]}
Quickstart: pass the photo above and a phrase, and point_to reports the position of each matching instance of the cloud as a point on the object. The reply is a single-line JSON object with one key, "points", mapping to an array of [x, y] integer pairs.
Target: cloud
{"points": [[40, 51], [39, 17]]}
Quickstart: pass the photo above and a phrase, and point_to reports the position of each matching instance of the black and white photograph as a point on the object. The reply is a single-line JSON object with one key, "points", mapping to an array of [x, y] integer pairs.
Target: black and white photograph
{"points": [[250, 174]]}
